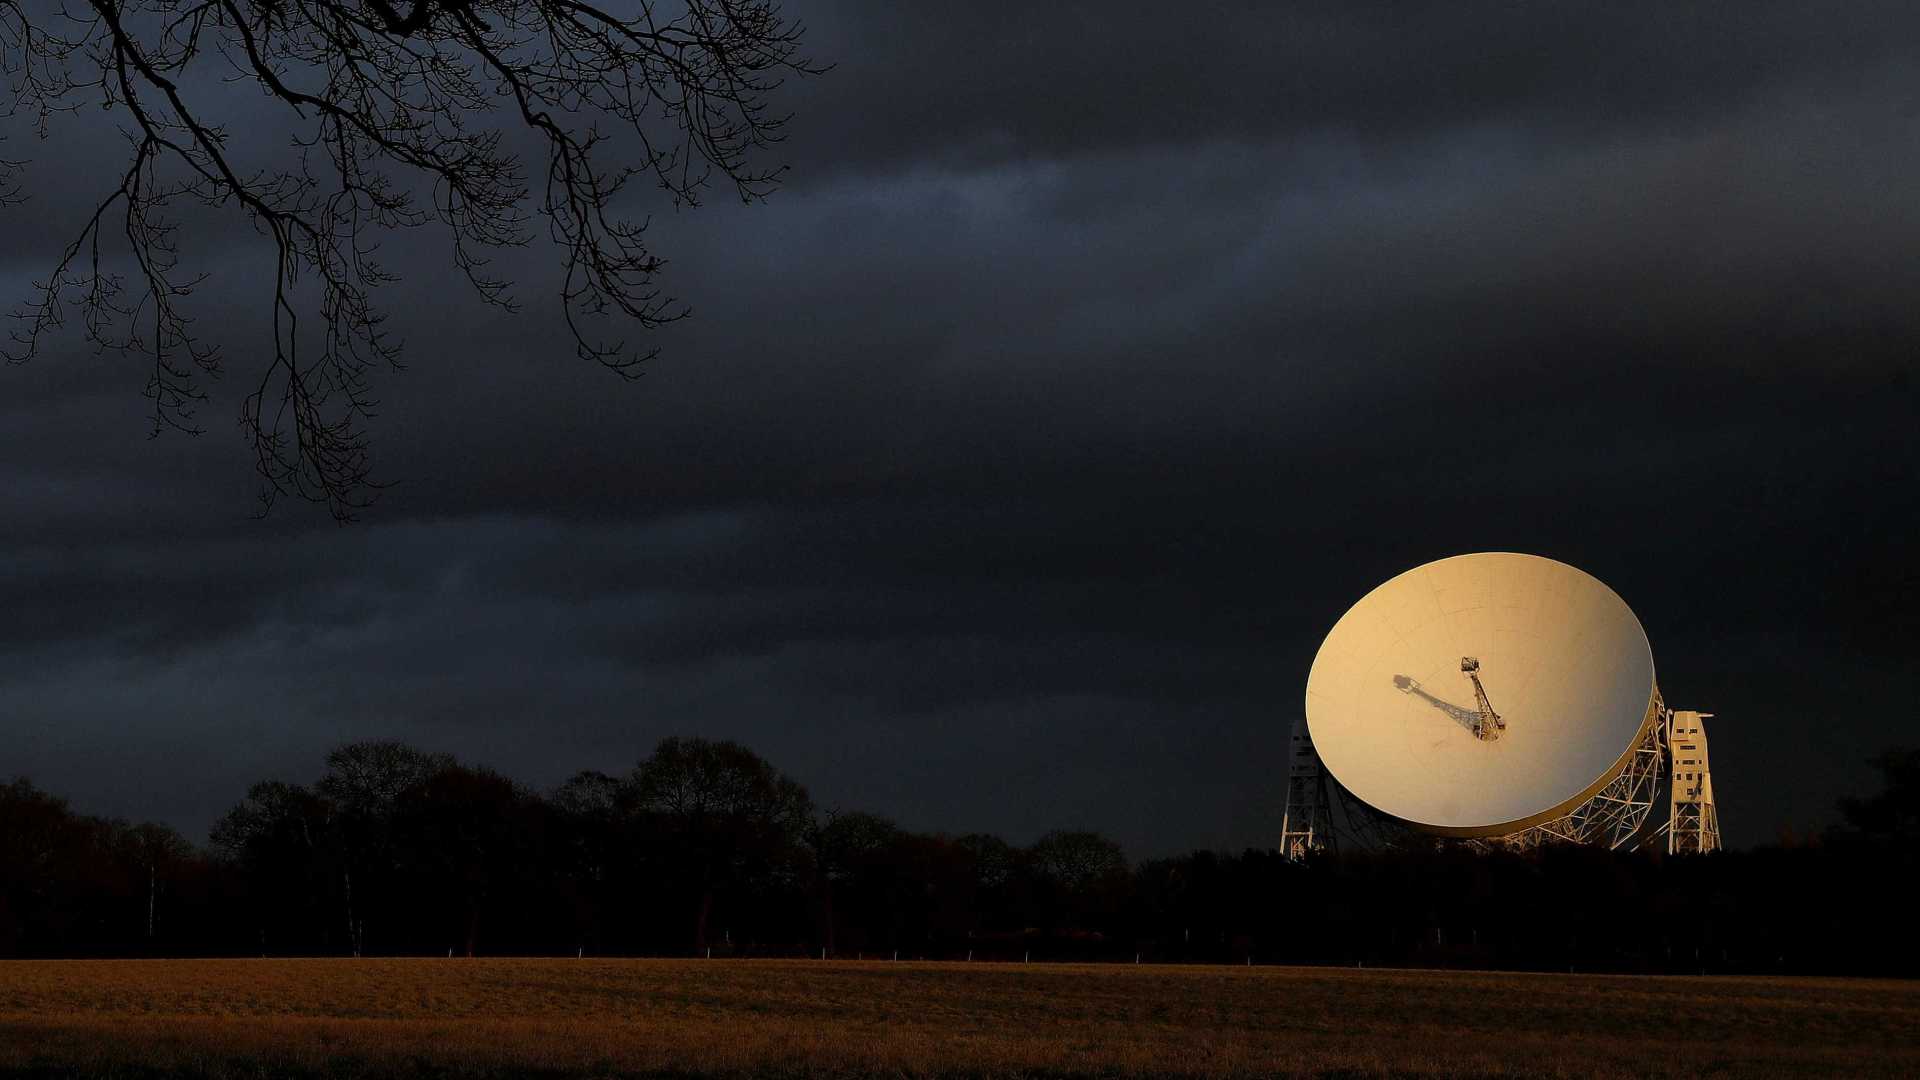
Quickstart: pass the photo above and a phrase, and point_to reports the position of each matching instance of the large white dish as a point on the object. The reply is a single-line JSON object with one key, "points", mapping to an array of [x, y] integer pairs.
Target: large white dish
{"points": [[1564, 662]]}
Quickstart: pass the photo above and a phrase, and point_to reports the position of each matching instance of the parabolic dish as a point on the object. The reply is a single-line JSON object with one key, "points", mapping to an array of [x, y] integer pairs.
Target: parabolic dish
{"points": [[1563, 660]]}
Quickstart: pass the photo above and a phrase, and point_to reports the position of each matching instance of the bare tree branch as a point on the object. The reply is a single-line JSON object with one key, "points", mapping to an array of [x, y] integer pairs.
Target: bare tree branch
{"points": [[396, 122]]}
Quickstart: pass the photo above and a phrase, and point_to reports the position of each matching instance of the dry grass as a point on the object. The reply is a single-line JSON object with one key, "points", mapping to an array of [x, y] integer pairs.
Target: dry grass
{"points": [[797, 1018]]}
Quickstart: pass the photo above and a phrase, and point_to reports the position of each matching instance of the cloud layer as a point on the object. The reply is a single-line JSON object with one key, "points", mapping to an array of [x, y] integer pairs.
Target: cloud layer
{"points": [[1021, 450]]}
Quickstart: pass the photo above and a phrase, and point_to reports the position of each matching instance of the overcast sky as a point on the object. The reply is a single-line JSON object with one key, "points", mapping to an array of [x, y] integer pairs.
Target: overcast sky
{"points": [[1021, 449]]}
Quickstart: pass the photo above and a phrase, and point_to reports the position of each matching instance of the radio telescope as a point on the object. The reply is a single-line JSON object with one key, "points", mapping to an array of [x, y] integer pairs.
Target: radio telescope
{"points": [[1502, 699]]}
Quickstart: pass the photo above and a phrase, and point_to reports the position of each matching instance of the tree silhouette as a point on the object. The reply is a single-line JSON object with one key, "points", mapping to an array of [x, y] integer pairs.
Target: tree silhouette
{"points": [[1078, 860], [1891, 816], [725, 811], [364, 784], [285, 841], [841, 845], [596, 845], [709, 830], [155, 850], [39, 845], [464, 832], [399, 115], [1083, 873]]}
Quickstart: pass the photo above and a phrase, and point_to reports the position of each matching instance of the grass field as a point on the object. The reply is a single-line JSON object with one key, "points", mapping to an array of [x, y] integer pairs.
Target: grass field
{"points": [[346, 1018]]}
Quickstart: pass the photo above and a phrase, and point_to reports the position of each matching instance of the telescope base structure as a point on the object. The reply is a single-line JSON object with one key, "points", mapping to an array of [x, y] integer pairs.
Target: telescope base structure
{"points": [[1614, 817], [1693, 823], [1615, 813], [1306, 822]]}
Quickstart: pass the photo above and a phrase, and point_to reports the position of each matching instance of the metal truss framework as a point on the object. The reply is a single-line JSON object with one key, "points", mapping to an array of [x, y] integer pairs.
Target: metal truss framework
{"points": [[1693, 824], [1306, 822], [1695, 829], [1615, 816], [1615, 813]]}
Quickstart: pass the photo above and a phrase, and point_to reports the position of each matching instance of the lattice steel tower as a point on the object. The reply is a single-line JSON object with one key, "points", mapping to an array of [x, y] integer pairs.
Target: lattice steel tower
{"points": [[1693, 824], [1306, 822]]}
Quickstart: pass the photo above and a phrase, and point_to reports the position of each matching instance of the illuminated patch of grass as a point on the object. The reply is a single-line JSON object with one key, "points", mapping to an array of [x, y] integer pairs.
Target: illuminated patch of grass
{"points": [[570, 1018]]}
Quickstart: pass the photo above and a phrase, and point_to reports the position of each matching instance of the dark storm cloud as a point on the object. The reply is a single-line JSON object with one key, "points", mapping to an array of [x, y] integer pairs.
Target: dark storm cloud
{"points": [[975, 83], [1018, 456]]}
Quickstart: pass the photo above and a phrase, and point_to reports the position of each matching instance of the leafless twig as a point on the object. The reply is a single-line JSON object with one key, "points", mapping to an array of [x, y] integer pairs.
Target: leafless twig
{"points": [[392, 109]]}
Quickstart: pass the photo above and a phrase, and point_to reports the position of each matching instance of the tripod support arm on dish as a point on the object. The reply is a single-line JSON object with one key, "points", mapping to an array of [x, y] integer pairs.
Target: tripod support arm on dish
{"points": [[1489, 726]]}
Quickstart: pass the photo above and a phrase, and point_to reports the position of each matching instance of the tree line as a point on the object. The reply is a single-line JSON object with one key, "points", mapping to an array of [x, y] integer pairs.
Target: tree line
{"points": [[704, 848]]}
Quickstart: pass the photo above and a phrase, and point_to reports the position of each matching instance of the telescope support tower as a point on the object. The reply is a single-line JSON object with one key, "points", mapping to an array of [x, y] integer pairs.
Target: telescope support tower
{"points": [[1306, 822], [1693, 824], [1615, 814]]}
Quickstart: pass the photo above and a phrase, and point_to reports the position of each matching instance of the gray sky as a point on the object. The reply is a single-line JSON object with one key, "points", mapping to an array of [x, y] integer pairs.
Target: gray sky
{"points": [[1022, 448]]}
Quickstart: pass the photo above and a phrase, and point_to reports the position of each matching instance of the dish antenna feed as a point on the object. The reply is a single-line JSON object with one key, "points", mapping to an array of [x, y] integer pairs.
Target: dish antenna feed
{"points": [[1489, 725], [1582, 752]]}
